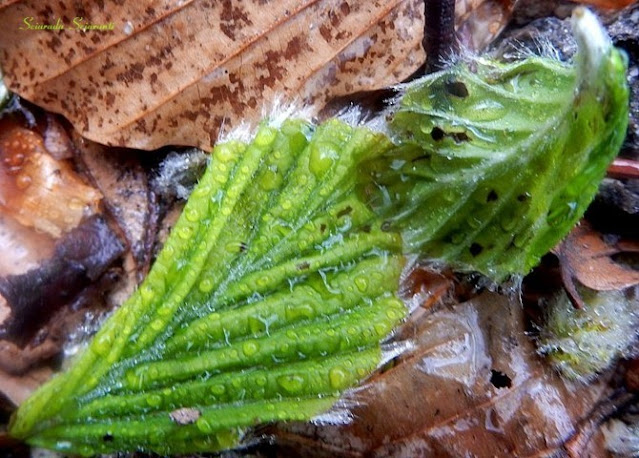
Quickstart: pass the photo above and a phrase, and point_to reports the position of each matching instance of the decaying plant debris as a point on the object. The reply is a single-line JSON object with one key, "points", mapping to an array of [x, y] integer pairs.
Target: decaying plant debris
{"points": [[497, 388]]}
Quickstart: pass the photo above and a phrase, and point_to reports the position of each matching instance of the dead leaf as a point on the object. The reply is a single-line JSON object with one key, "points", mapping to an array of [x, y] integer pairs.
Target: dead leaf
{"points": [[171, 73], [478, 23], [474, 387], [185, 416], [18, 388], [120, 177], [597, 260], [36, 189]]}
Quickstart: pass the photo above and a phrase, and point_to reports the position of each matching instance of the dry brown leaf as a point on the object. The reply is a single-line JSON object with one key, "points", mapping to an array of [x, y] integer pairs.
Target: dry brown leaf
{"points": [[172, 72], [474, 387], [17, 388], [123, 182], [594, 259]]}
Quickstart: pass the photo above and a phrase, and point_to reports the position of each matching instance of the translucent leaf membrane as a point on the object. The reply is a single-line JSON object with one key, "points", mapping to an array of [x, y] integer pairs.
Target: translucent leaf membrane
{"points": [[269, 299], [499, 161]]}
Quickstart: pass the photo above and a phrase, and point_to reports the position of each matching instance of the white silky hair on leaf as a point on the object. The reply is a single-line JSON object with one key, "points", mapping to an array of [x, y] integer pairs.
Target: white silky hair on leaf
{"points": [[282, 109], [275, 113]]}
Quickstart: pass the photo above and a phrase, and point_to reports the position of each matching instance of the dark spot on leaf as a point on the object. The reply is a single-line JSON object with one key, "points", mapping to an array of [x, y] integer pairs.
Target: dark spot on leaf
{"points": [[492, 196], [108, 437], [345, 211], [437, 134], [386, 226], [303, 266], [499, 379], [460, 137], [523, 197], [242, 247], [456, 88], [366, 229], [476, 249], [322, 228]]}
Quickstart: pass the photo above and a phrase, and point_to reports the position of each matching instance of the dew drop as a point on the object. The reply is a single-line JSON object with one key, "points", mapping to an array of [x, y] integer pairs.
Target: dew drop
{"points": [[392, 314], [322, 157], [218, 389], [224, 153], [185, 232], [508, 223], [250, 348], [292, 383], [102, 344], [362, 284], [337, 378], [206, 285], [474, 222], [380, 329], [154, 400], [293, 312], [192, 215], [203, 425], [147, 293]]}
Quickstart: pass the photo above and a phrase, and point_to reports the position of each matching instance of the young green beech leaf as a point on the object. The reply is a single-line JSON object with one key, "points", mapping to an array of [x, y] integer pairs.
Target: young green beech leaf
{"points": [[279, 281], [268, 300], [500, 160]]}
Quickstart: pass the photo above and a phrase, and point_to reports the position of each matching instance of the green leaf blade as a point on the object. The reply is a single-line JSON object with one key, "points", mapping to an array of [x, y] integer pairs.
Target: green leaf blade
{"points": [[499, 161], [271, 297]]}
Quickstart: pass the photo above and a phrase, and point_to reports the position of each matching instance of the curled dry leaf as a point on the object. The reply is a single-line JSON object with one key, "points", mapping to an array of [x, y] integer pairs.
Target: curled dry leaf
{"points": [[598, 261], [473, 386]]}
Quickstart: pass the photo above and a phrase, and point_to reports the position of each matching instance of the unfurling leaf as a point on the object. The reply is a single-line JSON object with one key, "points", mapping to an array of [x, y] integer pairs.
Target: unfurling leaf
{"points": [[501, 160], [279, 281]]}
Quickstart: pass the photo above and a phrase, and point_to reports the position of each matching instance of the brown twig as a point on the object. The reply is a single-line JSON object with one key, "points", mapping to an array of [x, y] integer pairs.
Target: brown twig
{"points": [[439, 33], [623, 168]]}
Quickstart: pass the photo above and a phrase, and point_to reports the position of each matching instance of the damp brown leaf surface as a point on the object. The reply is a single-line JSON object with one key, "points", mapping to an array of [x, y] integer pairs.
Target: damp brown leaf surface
{"points": [[603, 262], [173, 72], [473, 385]]}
